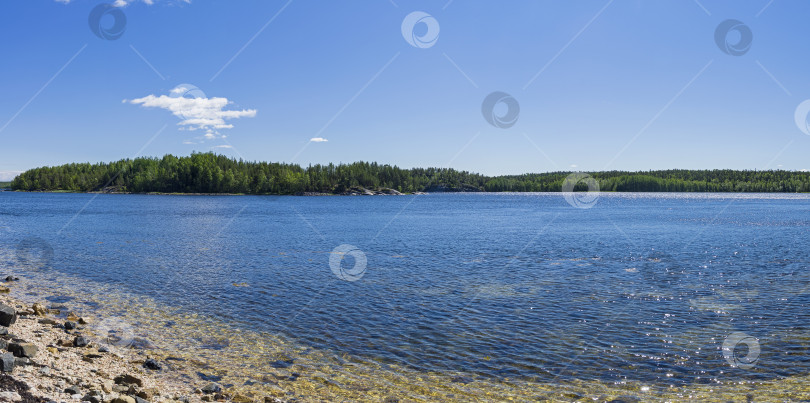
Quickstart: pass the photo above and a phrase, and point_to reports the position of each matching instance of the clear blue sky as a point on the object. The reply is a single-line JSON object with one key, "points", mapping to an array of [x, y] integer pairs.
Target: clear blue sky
{"points": [[627, 84]]}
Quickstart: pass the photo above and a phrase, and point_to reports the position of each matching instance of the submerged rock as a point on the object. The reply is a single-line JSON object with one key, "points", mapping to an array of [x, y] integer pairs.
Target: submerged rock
{"points": [[625, 399], [8, 315], [152, 364], [212, 387], [11, 278]]}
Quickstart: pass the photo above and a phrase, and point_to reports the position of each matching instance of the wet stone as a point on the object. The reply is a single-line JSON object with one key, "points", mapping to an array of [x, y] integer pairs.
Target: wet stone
{"points": [[152, 364], [212, 388], [39, 309]]}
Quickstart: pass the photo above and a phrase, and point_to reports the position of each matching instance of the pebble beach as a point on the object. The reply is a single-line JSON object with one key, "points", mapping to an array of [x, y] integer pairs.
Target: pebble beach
{"points": [[52, 355]]}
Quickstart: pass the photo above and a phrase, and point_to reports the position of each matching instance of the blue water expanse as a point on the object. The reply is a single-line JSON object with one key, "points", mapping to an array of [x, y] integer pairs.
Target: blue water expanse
{"points": [[641, 286]]}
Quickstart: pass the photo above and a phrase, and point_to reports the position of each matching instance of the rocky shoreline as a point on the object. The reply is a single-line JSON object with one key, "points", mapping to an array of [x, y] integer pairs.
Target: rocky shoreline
{"points": [[48, 354]]}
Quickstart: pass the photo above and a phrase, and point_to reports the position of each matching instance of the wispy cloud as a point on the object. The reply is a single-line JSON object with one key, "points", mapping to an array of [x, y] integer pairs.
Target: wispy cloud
{"points": [[223, 146], [6, 176], [318, 140], [200, 113]]}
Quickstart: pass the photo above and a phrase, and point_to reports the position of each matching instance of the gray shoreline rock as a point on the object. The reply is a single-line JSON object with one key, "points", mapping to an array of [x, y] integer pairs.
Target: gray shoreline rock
{"points": [[8, 315]]}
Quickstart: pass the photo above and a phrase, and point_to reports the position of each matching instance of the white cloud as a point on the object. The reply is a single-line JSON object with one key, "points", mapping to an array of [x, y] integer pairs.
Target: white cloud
{"points": [[318, 140], [6, 176], [200, 113]]}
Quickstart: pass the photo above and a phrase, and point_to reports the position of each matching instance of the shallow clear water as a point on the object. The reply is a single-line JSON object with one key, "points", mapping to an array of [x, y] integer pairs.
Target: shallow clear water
{"points": [[641, 287]]}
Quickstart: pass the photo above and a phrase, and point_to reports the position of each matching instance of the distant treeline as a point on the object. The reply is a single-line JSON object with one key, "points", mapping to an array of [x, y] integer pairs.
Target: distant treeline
{"points": [[211, 173]]}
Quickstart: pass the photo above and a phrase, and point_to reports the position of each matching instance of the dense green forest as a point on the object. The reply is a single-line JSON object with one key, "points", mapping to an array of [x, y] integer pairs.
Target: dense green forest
{"points": [[211, 173], [4, 185]]}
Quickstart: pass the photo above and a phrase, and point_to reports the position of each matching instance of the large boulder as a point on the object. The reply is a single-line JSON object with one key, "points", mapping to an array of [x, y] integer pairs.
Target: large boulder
{"points": [[8, 315], [7, 362], [23, 349]]}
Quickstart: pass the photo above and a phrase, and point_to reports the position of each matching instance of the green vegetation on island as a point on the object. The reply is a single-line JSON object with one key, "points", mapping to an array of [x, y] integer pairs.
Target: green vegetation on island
{"points": [[212, 173]]}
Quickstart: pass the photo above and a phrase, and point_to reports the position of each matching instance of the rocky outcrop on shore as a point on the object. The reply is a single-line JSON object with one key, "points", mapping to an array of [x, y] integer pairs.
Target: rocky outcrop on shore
{"points": [[48, 355], [356, 191]]}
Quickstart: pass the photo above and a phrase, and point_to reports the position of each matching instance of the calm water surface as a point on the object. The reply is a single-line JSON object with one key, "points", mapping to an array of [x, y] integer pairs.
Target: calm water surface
{"points": [[642, 287]]}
